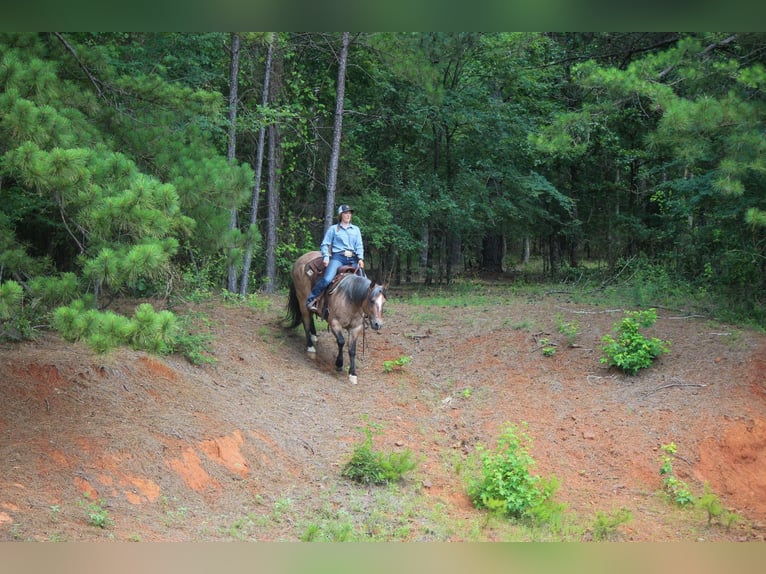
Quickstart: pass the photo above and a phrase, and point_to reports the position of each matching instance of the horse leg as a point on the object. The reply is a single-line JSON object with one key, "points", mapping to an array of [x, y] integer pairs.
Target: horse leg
{"points": [[310, 330], [341, 341], [353, 335]]}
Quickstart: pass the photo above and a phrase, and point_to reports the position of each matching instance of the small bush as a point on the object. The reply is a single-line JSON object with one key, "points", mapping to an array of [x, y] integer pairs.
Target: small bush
{"points": [[506, 485], [97, 513], [606, 523], [389, 366], [710, 503], [675, 488], [368, 466], [632, 351], [570, 329]]}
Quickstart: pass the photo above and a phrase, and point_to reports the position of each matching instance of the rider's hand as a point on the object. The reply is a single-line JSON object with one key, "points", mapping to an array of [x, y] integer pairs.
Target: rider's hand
{"points": [[361, 263]]}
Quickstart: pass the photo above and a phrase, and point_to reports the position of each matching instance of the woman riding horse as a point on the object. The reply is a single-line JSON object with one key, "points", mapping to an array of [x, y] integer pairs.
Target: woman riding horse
{"points": [[354, 300], [342, 245]]}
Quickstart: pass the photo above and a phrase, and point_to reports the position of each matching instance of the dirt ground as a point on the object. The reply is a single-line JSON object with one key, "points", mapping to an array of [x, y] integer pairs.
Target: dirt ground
{"points": [[252, 447]]}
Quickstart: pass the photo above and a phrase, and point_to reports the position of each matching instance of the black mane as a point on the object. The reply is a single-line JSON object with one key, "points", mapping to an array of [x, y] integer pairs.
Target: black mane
{"points": [[355, 288]]}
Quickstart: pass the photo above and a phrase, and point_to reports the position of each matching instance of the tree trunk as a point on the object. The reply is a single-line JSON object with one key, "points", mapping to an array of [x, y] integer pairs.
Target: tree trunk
{"points": [[424, 257], [258, 170], [493, 253], [340, 94], [231, 148], [273, 208]]}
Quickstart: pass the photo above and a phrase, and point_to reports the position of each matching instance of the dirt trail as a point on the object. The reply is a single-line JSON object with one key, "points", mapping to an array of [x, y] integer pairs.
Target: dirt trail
{"points": [[170, 451]]}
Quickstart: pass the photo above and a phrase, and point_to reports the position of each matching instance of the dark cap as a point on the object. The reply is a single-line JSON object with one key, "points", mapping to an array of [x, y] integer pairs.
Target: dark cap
{"points": [[344, 208]]}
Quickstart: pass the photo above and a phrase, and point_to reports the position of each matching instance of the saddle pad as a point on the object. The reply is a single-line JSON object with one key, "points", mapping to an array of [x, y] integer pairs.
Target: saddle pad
{"points": [[314, 268]]}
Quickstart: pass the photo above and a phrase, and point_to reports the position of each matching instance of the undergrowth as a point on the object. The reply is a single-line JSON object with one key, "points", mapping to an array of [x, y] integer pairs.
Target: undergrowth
{"points": [[506, 486], [631, 351], [370, 466]]}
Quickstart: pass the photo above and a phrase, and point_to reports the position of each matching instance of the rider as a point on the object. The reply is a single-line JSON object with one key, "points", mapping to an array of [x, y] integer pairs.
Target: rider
{"points": [[342, 245]]}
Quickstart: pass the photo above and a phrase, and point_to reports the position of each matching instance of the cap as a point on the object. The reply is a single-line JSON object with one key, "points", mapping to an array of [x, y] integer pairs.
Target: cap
{"points": [[344, 208]]}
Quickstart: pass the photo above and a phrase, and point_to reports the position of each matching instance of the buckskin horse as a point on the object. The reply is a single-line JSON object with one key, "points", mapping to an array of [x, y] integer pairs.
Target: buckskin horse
{"points": [[347, 303]]}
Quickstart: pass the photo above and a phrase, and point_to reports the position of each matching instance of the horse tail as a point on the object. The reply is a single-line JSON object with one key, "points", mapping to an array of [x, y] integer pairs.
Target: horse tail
{"points": [[294, 316]]}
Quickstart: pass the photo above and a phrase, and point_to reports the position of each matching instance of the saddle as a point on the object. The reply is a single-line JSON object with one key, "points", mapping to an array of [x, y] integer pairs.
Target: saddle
{"points": [[314, 269]]}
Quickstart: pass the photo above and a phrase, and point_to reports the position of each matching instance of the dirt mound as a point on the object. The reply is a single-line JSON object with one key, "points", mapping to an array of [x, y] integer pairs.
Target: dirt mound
{"points": [[252, 447]]}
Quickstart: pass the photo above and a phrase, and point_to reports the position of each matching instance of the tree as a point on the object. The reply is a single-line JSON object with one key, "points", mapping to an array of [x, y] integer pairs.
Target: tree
{"points": [[253, 228], [231, 152], [332, 172], [272, 193]]}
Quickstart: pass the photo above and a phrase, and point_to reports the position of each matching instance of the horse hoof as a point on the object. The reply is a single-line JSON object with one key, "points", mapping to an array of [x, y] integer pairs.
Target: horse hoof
{"points": [[352, 379], [311, 351]]}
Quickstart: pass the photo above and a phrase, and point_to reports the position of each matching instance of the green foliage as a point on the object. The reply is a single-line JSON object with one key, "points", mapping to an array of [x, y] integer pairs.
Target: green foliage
{"points": [[370, 466], [506, 484], [119, 175], [548, 348], [679, 492], [192, 343], [711, 504], [677, 489], [631, 350], [147, 329], [51, 291], [97, 513], [570, 329], [11, 295], [390, 365], [606, 523]]}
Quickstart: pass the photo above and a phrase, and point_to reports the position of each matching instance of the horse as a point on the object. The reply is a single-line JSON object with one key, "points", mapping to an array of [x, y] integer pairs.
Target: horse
{"points": [[348, 300]]}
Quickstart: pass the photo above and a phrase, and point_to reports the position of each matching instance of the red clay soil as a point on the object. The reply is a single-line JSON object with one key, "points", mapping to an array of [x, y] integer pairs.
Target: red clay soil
{"points": [[173, 452]]}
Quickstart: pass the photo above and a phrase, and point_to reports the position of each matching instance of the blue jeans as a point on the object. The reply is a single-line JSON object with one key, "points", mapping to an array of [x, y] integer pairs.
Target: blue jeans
{"points": [[336, 262]]}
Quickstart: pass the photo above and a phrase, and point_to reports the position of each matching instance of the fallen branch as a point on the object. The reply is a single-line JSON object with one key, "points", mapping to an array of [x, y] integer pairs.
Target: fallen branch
{"points": [[646, 394], [589, 312]]}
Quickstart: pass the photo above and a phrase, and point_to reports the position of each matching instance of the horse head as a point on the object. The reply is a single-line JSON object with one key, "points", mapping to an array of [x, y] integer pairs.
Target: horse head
{"points": [[375, 301]]}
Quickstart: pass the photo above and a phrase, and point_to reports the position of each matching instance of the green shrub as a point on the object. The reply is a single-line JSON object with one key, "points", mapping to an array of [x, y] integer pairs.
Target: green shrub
{"points": [[570, 329], [97, 513], [390, 365], [51, 291], [368, 466], [506, 485], [11, 295], [606, 523], [710, 503], [677, 489], [632, 351]]}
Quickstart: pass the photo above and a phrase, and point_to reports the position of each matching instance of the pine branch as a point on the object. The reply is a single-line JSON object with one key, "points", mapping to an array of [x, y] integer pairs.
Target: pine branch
{"points": [[96, 83], [704, 52]]}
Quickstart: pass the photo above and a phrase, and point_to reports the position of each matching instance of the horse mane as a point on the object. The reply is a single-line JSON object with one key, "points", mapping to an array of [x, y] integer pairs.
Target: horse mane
{"points": [[354, 287]]}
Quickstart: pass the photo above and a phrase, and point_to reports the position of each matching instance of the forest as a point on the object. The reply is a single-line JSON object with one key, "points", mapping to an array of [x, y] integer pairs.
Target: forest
{"points": [[144, 164]]}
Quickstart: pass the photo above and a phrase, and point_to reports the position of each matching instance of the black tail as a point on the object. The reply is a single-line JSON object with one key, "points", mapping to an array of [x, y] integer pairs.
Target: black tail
{"points": [[294, 317]]}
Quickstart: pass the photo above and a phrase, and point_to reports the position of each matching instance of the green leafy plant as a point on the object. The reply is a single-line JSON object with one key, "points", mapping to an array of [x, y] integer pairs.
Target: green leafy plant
{"points": [[548, 348], [97, 513], [710, 503], [15, 323], [370, 466], [506, 485], [606, 523], [156, 332], [677, 489], [570, 329], [389, 366], [632, 351]]}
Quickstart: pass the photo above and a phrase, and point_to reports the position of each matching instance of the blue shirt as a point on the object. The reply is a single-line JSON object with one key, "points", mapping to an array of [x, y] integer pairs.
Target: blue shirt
{"points": [[338, 238]]}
